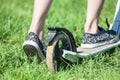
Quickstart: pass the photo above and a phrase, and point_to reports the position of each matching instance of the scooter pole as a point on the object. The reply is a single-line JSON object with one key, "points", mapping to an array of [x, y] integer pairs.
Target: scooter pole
{"points": [[116, 22]]}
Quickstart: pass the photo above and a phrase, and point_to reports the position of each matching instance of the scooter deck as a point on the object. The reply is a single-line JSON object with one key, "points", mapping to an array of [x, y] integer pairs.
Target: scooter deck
{"points": [[84, 52]]}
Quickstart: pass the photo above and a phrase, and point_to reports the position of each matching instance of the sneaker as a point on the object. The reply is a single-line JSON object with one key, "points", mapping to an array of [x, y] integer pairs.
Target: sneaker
{"points": [[99, 39], [32, 46]]}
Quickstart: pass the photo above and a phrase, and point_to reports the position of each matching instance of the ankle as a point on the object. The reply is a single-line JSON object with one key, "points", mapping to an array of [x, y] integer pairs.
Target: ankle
{"points": [[91, 28], [91, 31]]}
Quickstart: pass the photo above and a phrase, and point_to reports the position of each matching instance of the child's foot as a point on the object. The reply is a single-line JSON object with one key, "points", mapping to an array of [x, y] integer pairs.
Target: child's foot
{"points": [[32, 46], [99, 39]]}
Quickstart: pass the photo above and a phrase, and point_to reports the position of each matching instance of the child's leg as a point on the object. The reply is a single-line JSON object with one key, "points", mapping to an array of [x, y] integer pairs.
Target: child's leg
{"points": [[93, 12], [95, 36], [32, 44], [41, 8]]}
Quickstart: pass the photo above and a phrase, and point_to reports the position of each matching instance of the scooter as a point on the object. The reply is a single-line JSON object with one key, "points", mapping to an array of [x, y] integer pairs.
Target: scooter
{"points": [[62, 49]]}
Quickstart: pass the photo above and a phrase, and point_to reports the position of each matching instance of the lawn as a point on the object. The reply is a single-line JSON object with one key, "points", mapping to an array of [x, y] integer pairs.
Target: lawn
{"points": [[15, 19]]}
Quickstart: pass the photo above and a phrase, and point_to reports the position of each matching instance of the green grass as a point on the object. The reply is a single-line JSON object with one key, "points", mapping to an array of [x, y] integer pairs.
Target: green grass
{"points": [[15, 19]]}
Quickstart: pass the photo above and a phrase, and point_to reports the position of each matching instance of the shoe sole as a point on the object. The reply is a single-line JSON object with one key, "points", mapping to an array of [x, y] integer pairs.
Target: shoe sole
{"points": [[100, 44], [92, 45], [31, 49]]}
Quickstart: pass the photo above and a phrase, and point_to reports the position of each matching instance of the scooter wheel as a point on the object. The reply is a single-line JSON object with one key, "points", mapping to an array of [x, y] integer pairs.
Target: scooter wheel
{"points": [[62, 40], [49, 58]]}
